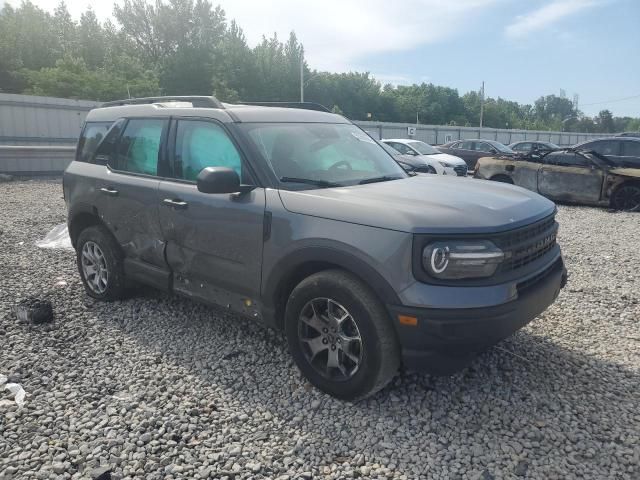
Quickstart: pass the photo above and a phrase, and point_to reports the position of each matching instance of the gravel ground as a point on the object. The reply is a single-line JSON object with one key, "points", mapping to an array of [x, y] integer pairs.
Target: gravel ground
{"points": [[159, 387]]}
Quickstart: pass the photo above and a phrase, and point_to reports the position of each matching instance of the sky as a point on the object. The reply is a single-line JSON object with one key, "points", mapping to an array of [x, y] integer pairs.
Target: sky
{"points": [[521, 49]]}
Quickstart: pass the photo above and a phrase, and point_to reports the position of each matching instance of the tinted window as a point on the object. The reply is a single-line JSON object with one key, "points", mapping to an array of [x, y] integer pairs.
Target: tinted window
{"points": [[91, 136], [202, 144], [522, 147], [107, 149], [402, 148], [483, 147], [631, 149], [566, 159], [138, 148], [466, 145], [604, 147]]}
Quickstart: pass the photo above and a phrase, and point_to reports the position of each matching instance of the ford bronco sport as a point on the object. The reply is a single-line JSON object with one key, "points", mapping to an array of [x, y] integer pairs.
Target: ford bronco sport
{"points": [[298, 219]]}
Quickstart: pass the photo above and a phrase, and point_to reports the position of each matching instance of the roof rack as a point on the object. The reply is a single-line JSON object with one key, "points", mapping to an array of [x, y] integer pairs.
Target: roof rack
{"points": [[302, 105], [196, 101]]}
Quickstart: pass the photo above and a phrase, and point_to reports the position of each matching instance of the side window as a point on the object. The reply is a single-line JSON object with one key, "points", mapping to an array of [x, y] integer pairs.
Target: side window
{"points": [[522, 147], [466, 145], [91, 136], [201, 144], [139, 146], [483, 147], [106, 150], [567, 160], [604, 147], [402, 148], [631, 149]]}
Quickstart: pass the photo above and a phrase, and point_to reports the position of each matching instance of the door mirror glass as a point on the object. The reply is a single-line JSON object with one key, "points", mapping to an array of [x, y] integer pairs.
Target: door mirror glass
{"points": [[218, 180]]}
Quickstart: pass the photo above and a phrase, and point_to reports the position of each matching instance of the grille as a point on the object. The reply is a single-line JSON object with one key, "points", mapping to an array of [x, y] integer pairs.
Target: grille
{"points": [[527, 244], [461, 170]]}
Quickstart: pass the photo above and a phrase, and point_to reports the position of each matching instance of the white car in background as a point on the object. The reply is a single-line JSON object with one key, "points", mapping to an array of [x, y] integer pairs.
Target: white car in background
{"points": [[443, 163]]}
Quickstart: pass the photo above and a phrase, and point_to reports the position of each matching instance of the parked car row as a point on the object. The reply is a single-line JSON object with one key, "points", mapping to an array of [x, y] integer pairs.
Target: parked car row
{"points": [[576, 175]]}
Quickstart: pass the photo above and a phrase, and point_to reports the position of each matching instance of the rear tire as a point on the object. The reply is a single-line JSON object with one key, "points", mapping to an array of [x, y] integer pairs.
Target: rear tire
{"points": [[100, 264], [340, 335], [502, 179], [626, 198]]}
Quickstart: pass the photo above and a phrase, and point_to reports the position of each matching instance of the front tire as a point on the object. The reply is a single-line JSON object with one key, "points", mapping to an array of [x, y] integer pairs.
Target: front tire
{"points": [[626, 198], [100, 264], [340, 335]]}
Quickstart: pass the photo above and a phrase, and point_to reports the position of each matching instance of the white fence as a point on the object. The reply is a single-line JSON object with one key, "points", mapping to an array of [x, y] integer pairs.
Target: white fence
{"points": [[438, 134], [55, 122]]}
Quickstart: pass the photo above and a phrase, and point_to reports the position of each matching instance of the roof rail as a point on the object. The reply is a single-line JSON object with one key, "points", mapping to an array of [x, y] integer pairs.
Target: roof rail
{"points": [[196, 101], [302, 105]]}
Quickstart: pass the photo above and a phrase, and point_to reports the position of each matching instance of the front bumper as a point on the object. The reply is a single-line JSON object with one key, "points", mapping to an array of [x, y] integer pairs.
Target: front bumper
{"points": [[447, 339]]}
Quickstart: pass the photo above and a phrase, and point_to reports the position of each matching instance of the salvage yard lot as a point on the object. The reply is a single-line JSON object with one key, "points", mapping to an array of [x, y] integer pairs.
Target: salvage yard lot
{"points": [[160, 387]]}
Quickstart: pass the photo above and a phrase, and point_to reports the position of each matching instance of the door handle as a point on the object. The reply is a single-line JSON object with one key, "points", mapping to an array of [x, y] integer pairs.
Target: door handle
{"points": [[109, 191], [509, 168], [175, 203]]}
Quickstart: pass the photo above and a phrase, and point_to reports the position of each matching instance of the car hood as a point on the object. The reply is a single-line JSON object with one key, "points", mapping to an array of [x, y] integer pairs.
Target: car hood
{"points": [[424, 204], [445, 157], [628, 172]]}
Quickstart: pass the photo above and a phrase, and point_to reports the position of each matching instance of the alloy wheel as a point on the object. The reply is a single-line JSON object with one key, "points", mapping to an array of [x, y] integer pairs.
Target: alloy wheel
{"points": [[330, 339], [94, 267], [627, 198]]}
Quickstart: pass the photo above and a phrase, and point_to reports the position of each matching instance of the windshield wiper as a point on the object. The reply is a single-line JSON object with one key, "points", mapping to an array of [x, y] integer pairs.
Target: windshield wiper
{"points": [[384, 178], [310, 181]]}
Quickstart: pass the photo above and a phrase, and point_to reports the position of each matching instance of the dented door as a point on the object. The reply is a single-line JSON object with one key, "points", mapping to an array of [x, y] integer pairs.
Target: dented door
{"points": [[570, 183]]}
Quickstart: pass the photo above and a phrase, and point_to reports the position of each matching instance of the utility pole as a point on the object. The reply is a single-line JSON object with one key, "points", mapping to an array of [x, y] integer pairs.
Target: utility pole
{"points": [[481, 104], [301, 74]]}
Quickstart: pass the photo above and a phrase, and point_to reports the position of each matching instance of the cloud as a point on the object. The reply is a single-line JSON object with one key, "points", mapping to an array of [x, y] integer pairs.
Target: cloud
{"points": [[337, 33], [546, 16]]}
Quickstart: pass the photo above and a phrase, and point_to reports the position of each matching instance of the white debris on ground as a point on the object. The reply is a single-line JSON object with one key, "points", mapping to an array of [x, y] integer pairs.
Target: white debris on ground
{"points": [[159, 387], [57, 238]]}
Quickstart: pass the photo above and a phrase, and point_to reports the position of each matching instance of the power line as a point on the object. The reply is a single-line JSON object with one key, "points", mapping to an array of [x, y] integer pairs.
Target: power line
{"points": [[610, 101]]}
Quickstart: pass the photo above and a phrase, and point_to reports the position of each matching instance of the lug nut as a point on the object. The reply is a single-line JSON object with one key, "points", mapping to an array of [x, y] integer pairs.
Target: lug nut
{"points": [[333, 347], [325, 341]]}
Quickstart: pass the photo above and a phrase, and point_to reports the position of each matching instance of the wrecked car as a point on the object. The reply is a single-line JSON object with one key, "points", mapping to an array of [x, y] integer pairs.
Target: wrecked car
{"points": [[296, 218], [569, 175]]}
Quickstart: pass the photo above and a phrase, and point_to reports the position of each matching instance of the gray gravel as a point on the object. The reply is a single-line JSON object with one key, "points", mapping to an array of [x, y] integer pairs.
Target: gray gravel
{"points": [[159, 387]]}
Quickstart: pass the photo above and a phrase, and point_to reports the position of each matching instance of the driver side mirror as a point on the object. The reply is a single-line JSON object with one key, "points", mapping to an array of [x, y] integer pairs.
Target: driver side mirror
{"points": [[220, 180]]}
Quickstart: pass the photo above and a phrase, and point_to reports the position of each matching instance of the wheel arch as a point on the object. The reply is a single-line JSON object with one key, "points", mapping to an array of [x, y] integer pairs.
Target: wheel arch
{"points": [[300, 264], [80, 220]]}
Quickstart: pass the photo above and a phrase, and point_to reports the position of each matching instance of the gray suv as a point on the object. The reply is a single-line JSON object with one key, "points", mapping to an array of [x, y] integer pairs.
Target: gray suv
{"points": [[298, 219]]}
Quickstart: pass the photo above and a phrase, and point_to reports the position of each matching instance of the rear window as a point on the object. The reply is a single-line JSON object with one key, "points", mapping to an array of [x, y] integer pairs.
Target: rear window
{"points": [[92, 134]]}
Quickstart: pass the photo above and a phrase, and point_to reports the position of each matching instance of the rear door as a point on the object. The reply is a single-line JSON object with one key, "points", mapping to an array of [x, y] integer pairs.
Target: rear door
{"points": [[127, 187], [568, 176], [464, 150], [214, 241]]}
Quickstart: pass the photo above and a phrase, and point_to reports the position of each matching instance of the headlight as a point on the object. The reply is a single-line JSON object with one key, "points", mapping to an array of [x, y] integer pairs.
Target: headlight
{"points": [[444, 164], [461, 259]]}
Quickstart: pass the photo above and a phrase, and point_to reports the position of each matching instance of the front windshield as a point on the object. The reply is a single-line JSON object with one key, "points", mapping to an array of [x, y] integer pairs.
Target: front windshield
{"points": [[336, 154], [424, 148], [501, 148]]}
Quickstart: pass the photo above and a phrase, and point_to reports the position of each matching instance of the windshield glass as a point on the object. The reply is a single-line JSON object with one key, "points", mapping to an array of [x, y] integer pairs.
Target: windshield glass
{"points": [[336, 153], [424, 148]]}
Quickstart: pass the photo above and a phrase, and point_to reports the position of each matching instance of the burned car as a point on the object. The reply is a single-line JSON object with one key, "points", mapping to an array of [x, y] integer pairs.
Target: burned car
{"points": [[569, 175]]}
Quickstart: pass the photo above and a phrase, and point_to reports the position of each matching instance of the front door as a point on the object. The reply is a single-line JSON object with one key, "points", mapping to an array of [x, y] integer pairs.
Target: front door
{"points": [[571, 178], [525, 174], [214, 241]]}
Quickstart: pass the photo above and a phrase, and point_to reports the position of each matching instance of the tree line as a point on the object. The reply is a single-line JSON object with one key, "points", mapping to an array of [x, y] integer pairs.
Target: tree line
{"points": [[189, 47]]}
